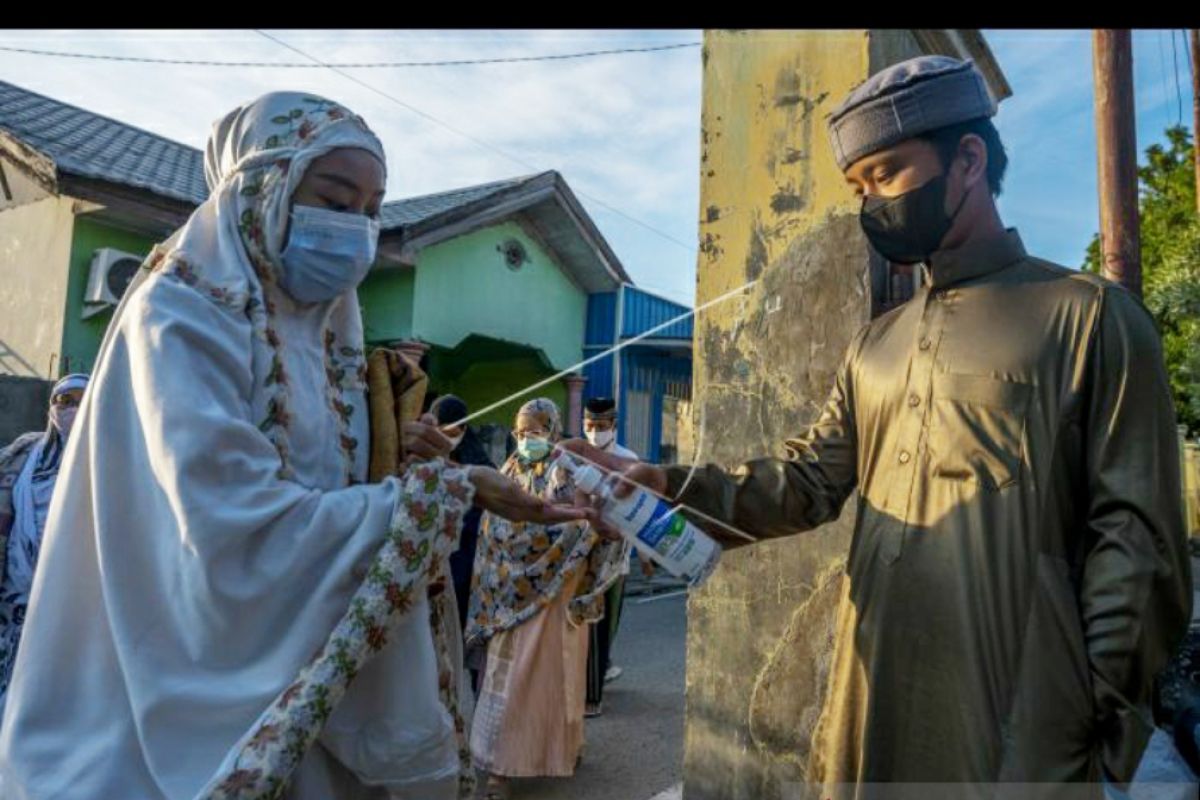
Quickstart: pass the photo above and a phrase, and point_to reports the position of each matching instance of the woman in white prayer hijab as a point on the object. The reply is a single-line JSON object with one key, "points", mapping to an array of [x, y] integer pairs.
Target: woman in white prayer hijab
{"points": [[212, 523]]}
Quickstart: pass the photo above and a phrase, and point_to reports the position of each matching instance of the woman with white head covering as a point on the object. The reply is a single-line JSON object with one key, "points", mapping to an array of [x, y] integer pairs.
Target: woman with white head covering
{"points": [[28, 473], [211, 524]]}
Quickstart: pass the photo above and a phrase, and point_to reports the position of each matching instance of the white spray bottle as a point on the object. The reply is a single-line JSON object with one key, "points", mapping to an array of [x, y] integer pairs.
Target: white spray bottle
{"points": [[650, 524]]}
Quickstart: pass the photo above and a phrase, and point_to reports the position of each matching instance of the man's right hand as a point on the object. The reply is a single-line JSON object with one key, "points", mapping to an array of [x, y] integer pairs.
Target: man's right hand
{"points": [[646, 475], [629, 472]]}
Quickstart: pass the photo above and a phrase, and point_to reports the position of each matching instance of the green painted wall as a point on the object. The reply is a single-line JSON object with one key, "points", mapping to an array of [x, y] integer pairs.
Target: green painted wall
{"points": [[82, 337], [386, 298], [488, 382], [463, 286], [484, 371]]}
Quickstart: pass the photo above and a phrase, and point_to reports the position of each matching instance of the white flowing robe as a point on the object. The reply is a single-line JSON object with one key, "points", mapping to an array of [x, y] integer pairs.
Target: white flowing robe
{"points": [[182, 583]]}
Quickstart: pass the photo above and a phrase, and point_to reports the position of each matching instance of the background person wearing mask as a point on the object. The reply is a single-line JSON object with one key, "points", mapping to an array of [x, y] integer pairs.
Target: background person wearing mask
{"points": [[600, 425], [449, 410], [28, 472]]}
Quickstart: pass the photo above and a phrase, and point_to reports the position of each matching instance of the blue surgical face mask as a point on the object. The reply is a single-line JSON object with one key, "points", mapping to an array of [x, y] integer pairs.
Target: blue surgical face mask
{"points": [[533, 448], [328, 253]]}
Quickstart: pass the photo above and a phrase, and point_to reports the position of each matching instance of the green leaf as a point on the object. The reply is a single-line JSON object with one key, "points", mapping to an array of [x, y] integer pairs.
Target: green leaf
{"points": [[281, 120], [297, 113]]}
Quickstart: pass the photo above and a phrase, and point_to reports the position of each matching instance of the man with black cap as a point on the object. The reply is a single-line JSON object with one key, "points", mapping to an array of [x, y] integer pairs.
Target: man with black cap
{"points": [[1018, 571], [600, 428]]}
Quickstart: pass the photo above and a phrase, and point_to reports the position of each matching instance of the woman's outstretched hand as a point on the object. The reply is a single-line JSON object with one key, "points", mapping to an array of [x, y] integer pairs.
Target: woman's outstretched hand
{"points": [[504, 497]]}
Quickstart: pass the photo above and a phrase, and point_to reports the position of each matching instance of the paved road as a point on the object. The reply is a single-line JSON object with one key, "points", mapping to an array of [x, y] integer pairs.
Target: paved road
{"points": [[635, 751]]}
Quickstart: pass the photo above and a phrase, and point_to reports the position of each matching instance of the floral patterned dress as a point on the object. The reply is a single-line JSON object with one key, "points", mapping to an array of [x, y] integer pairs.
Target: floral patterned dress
{"points": [[535, 589]]}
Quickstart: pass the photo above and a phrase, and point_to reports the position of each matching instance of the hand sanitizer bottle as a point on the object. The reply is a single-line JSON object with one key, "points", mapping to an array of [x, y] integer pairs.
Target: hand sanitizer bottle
{"points": [[651, 524]]}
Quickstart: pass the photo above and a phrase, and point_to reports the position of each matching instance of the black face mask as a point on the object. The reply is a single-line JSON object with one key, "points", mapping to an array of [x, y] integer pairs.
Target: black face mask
{"points": [[910, 227]]}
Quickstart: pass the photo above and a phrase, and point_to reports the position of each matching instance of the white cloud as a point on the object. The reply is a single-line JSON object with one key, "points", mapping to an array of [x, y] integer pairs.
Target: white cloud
{"points": [[1048, 126], [624, 128]]}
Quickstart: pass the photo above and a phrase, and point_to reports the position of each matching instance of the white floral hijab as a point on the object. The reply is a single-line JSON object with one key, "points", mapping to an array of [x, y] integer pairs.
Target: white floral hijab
{"points": [[230, 250]]}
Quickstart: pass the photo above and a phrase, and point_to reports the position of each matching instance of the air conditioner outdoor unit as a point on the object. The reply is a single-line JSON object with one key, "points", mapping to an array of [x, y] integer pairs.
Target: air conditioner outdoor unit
{"points": [[110, 275]]}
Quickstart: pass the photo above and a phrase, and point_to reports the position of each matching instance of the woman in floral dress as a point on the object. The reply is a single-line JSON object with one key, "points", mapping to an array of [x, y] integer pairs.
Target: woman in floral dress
{"points": [[536, 588]]}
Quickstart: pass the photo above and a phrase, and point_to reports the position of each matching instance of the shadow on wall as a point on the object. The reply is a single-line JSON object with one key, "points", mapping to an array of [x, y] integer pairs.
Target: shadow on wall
{"points": [[12, 363], [23, 404]]}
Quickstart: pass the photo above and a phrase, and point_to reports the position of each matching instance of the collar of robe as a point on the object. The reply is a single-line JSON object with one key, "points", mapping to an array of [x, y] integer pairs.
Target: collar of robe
{"points": [[974, 260]]}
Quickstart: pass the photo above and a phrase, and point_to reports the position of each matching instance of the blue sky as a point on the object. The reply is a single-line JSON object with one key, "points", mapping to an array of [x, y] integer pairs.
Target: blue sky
{"points": [[1049, 129], [624, 130]]}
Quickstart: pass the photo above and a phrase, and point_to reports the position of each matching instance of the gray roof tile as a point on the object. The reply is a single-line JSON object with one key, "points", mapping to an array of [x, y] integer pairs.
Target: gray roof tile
{"points": [[87, 144], [90, 145], [415, 209]]}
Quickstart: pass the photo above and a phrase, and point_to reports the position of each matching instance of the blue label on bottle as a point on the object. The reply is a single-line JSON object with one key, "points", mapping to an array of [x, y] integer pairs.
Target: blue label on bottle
{"points": [[637, 507], [657, 526]]}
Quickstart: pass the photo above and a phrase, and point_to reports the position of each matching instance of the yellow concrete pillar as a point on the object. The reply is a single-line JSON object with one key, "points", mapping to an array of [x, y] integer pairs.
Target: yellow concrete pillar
{"points": [[776, 217]]}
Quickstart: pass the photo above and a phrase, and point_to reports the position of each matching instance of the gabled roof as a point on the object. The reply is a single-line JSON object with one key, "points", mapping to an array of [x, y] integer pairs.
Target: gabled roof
{"points": [[93, 146], [544, 202], [418, 209], [73, 143]]}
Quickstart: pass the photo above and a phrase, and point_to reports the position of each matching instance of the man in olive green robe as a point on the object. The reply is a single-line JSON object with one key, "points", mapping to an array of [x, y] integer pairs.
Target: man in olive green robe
{"points": [[1018, 572]]}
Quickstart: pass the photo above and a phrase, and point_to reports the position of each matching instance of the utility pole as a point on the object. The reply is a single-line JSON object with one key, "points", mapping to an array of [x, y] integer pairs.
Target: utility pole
{"points": [[1112, 66]]}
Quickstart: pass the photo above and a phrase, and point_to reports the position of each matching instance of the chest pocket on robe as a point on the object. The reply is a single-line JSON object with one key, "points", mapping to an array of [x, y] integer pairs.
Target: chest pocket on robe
{"points": [[978, 429]]}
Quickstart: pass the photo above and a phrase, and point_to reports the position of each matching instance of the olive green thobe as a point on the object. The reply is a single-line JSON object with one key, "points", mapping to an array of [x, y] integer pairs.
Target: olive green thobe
{"points": [[1018, 571]]}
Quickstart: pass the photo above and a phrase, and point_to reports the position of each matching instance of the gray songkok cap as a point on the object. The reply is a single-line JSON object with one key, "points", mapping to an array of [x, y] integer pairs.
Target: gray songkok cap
{"points": [[906, 100]]}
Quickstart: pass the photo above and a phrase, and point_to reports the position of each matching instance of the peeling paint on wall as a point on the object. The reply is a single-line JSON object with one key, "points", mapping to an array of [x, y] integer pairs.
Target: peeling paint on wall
{"points": [[764, 363]]}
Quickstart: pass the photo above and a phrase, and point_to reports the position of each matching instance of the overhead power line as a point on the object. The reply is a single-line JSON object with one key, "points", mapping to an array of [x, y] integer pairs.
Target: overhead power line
{"points": [[350, 65]]}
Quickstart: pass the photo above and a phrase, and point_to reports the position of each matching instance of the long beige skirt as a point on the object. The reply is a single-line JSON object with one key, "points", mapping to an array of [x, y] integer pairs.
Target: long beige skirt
{"points": [[529, 715]]}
